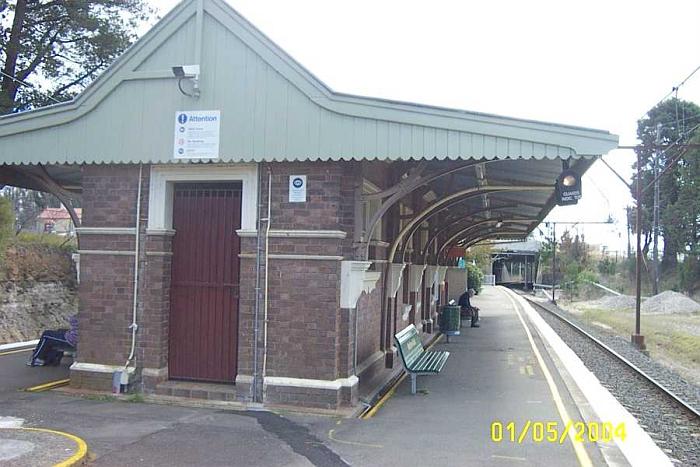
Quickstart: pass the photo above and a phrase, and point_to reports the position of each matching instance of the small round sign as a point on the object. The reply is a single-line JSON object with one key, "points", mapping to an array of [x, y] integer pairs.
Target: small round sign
{"points": [[182, 118], [297, 182]]}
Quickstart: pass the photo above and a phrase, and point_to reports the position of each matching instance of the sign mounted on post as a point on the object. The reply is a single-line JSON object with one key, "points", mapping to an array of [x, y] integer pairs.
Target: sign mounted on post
{"points": [[297, 188], [197, 134]]}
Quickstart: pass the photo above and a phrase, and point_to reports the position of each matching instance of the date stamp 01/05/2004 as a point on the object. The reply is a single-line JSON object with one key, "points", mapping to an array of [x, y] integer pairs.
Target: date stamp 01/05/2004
{"points": [[554, 432]]}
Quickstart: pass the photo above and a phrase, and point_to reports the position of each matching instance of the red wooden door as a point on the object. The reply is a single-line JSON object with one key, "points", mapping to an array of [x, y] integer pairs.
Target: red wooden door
{"points": [[204, 287]]}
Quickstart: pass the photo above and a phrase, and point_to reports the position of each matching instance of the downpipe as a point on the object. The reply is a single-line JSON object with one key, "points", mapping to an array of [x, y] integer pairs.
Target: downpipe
{"points": [[258, 292], [267, 275], [124, 374]]}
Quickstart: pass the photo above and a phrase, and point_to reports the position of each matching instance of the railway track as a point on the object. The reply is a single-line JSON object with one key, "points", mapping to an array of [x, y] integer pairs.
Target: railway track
{"points": [[670, 416]]}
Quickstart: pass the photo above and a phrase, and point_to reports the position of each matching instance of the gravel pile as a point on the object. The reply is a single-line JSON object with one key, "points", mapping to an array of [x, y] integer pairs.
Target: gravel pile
{"points": [[670, 302], [613, 302]]}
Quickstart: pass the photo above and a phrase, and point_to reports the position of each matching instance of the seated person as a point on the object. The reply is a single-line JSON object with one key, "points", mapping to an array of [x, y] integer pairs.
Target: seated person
{"points": [[49, 350], [466, 308]]}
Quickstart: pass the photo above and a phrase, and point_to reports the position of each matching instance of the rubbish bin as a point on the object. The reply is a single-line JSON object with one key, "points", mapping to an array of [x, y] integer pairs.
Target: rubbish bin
{"points": [[450, 321]]}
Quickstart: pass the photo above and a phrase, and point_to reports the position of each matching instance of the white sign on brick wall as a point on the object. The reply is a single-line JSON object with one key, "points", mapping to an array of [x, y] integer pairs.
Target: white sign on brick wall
{"points": [[297, 188]]}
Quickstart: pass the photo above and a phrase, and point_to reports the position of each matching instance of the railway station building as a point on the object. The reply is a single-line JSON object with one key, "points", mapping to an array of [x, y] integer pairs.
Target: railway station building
{"points": [[248, 234]]}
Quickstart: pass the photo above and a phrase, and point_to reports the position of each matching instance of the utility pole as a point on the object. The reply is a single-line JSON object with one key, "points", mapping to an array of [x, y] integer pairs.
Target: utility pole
{"points": [[656, 212], [637, 338], [554, 263], [628, 209]]}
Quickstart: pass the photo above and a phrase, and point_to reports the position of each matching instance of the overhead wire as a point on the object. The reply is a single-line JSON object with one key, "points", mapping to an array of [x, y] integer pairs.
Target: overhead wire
{"points": [[673, 90], [29, 85]]}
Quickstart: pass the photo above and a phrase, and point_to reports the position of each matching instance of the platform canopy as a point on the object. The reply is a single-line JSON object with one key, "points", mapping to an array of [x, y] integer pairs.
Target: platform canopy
{"points": [[273, 109]]}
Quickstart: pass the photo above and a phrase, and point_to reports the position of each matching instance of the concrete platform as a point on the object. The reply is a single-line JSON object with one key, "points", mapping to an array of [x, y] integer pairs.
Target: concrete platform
{"points": [[492, 375]]}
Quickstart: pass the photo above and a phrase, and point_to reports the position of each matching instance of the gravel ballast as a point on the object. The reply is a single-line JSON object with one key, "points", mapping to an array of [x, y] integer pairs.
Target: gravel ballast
{"points": [[673, 428]]}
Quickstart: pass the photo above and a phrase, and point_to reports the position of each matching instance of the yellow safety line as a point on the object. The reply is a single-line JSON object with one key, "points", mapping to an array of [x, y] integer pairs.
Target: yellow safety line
{"points": [[47, 386], [583, 458], [10, 352], [75, 458], [370, 413]]}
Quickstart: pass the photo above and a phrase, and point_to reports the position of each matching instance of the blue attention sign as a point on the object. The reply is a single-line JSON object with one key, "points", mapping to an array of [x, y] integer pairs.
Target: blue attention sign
{"points": [[182, 119]]}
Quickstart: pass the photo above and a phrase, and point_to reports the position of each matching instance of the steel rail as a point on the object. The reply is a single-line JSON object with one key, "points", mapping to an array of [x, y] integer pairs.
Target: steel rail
{"points": [[620, 358]]}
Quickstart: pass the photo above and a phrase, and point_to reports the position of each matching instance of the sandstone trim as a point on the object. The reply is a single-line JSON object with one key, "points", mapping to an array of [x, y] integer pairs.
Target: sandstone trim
{"points": [[107, 252], [295, 257], [311, 383], [164, 232], [106, 230], [99, 368], [295, 233]]}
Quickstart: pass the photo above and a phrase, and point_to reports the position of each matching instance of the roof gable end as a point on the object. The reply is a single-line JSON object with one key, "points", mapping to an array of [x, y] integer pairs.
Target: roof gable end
{"points": [[272, 109]]}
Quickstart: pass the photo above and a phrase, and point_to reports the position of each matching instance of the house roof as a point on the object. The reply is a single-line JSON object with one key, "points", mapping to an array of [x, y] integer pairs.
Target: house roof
{"points": [[272, 109], [55, 214]]}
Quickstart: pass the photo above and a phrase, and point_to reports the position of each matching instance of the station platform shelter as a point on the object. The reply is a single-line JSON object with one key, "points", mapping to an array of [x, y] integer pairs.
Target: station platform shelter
{"points": [[515, 264], [250, 235]]}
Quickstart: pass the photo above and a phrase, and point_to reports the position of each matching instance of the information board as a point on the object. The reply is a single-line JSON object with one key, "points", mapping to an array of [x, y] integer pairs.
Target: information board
{"points": [[197, 134], [297, 188]]}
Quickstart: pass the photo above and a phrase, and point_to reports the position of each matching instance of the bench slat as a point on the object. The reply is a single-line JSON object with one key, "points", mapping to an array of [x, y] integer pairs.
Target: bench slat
{"points": [[431, 362]]}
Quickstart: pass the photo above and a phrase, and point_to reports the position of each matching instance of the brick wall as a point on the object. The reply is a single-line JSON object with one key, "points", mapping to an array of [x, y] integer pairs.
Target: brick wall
{"points": [[246, 308], [305, 324], [109, 195], [106, 288], [309, 336], [155, 299], [369, 318], [303, 317]]}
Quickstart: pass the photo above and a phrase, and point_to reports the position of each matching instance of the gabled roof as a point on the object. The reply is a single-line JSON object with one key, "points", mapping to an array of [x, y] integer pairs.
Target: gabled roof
{"points": [[56, 214], [271, 107]]}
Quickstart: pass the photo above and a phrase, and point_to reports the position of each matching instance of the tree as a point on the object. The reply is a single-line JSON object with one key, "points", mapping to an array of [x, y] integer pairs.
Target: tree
{"points": [[59, 46], [676, 188], [27, 205], [481, 255], [7, 220], [475, 277]]}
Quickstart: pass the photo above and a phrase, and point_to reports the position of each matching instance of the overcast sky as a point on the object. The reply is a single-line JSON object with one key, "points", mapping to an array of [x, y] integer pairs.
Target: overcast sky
{"points": [[593, 63]]}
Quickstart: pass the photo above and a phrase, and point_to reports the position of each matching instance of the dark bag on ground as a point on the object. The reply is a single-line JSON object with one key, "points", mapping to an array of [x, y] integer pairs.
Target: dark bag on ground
{"points": [[53, 357]]}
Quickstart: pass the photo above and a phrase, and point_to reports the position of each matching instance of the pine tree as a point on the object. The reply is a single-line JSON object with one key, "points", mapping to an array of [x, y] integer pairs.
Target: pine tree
{"points": [[678, 200], [59, 46]]}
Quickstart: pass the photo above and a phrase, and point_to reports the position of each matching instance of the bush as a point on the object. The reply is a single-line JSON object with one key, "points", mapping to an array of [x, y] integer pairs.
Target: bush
{"points": [[69, 244], [689, 274], [607, 266], [7, 221], [475, 277], [7, 218]]}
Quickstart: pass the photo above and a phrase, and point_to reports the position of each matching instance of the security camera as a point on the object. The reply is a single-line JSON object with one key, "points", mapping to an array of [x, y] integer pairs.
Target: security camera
{"points": [[186, 71], [189, 72]]}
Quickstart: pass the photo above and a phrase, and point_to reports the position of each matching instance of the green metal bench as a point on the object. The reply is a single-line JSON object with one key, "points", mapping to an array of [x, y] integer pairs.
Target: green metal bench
{"points": [[416, 360]]}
